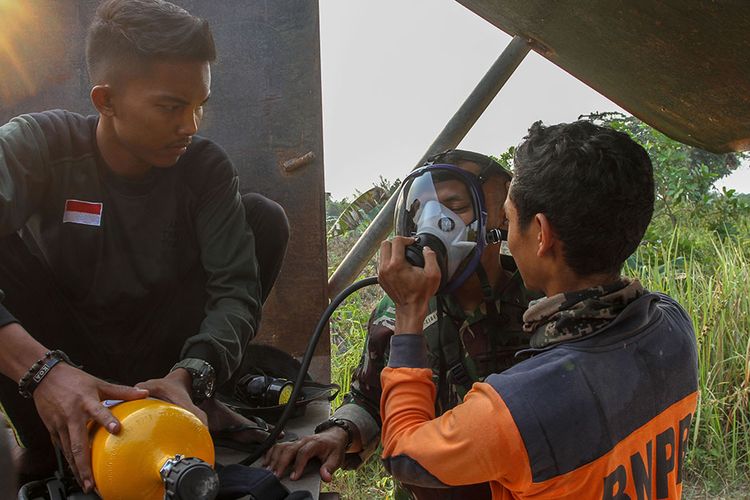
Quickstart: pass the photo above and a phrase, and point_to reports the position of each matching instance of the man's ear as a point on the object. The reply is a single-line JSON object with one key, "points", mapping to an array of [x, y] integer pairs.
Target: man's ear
{"points": [[101, 97], [546, 238]]}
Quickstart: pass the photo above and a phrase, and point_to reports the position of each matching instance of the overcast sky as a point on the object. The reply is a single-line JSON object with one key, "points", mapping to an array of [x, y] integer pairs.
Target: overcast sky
{"points": [[395, 71]]}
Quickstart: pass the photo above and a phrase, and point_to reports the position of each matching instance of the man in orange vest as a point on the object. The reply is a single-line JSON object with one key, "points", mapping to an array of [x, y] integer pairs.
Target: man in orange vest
{"points": [[603, 407]]}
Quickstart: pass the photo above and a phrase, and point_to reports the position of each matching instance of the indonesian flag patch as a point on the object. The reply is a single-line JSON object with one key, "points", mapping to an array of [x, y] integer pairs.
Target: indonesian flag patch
{"points": [[88, 213]]}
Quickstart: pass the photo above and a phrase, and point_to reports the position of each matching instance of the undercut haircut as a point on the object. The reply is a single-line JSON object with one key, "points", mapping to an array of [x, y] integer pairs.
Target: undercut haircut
{"points": [[595, 186], [126, 35]]}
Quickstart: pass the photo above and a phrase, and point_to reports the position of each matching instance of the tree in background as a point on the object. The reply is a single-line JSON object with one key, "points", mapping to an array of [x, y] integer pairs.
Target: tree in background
{"points": [[684, 181], [343, 216], [684, 176]]}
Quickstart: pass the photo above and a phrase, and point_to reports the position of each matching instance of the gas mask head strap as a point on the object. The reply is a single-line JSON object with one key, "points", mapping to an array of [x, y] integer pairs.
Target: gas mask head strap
{"points": [[487, 165], [496, 235]]}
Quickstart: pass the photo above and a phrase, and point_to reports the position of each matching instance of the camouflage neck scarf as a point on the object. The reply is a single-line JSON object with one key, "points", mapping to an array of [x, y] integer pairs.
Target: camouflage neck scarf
{"points": [[573, 315]]}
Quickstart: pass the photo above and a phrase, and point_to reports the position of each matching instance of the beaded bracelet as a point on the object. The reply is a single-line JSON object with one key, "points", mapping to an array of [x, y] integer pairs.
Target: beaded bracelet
{"points": [[39, 370]]}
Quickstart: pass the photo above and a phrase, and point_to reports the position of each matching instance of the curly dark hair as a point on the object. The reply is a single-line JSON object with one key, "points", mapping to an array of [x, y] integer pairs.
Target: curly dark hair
{"points": [[128, 34], [594, 184]]}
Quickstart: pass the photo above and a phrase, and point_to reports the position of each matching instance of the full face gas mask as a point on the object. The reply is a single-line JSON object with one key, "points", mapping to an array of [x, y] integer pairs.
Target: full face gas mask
{"points": [[442, 206]]}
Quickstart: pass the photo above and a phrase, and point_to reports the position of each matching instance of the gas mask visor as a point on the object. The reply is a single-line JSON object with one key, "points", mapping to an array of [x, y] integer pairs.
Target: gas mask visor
{"points": [[442, 206]]}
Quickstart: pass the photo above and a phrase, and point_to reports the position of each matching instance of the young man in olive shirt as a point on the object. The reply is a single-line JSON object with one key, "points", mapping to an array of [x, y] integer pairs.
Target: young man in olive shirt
{"points": [[125, 241]]}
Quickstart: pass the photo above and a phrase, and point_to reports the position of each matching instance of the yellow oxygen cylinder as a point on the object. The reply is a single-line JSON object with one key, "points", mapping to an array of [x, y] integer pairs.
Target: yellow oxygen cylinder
{"points": [[162, 451]]}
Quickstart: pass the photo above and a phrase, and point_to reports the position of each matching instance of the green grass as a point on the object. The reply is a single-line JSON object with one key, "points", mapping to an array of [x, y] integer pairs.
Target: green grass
{"points": [[348, 329], [713, 289], [709, 275]]}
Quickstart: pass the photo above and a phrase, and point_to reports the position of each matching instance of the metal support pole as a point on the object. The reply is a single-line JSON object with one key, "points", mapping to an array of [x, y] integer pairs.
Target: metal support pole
{"points": [[452, 134]]}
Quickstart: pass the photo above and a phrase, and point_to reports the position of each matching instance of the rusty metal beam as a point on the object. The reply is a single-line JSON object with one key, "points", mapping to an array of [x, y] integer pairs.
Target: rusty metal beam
{"points": [[451, 135]]}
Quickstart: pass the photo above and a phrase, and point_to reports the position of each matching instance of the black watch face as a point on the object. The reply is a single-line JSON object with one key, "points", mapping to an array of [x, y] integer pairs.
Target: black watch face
{"points": [[209, 391], [203, 383]]}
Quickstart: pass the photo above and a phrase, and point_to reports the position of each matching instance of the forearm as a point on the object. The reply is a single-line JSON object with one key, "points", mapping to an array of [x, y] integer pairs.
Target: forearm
{"points": [[408, 391], [222, 336], [463, 446], [20, 351], [362, 405], [234, 306], [410, 318]]}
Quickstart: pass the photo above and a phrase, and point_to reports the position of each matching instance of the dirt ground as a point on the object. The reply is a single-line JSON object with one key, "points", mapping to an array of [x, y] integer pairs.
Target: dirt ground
{"points": [[730, 492]]}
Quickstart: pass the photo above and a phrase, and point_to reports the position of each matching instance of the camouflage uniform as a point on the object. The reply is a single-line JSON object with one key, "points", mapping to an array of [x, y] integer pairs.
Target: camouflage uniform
{"points": [[572, 315], [362, 404]]}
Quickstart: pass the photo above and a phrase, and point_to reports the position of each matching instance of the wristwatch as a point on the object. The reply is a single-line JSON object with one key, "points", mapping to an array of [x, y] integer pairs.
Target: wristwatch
{"points": [[204, 378], [337, 422]]}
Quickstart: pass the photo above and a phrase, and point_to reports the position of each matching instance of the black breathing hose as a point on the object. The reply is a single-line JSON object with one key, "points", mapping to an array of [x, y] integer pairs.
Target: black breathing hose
{"points": [[306, 359]]}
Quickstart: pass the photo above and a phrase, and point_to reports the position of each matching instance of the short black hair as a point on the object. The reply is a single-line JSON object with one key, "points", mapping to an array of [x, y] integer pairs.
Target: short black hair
{"points": [[128, 34], [595, 186]]}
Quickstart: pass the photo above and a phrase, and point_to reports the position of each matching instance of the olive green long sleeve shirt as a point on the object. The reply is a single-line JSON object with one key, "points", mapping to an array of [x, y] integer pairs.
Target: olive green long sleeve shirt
{"points": [[119, 248]]}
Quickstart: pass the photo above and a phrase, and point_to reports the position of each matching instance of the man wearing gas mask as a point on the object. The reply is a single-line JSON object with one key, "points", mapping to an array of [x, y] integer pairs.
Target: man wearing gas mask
{"points": [[454, 204], [602, 408]]}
